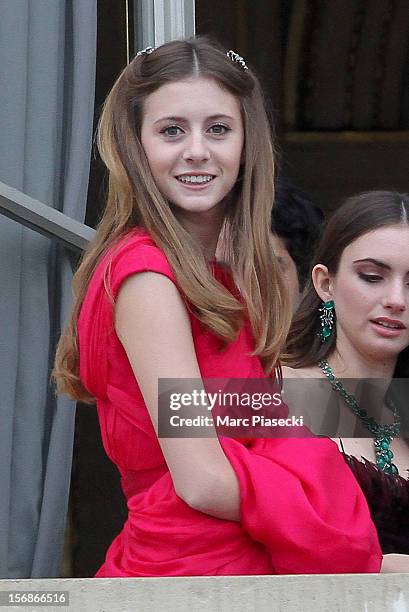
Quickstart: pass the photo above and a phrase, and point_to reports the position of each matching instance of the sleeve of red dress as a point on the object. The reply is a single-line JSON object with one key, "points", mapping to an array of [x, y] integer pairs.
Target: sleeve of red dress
{"points": [[136, 257], [136, 253], [300, 500]]}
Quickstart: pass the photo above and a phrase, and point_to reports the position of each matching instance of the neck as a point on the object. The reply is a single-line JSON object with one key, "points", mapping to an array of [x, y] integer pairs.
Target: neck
{"points": [[348, 362], [205, 227], [356, 365]]}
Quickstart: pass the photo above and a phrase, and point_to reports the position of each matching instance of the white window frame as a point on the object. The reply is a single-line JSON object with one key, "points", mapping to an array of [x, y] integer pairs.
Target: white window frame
{"points": [[158, 21]]}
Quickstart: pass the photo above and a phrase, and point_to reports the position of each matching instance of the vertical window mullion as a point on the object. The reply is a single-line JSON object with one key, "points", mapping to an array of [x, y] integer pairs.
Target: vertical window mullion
{"points": [[158, 21]]}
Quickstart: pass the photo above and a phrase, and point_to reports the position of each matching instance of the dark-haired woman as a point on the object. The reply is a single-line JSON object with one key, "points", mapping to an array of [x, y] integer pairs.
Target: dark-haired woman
{"points": [[353, 325]]}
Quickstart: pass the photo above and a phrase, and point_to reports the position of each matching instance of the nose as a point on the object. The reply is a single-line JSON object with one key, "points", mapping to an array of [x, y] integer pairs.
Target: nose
{"points": [[396, 299], [196, 148]]}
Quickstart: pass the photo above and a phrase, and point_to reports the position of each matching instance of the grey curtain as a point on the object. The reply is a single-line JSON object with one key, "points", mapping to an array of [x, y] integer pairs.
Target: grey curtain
{"points": [[47, 76]]}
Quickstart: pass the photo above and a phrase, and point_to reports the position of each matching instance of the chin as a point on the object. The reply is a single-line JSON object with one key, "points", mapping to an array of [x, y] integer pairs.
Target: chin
{"points": [[198, 207], [383, 351]]}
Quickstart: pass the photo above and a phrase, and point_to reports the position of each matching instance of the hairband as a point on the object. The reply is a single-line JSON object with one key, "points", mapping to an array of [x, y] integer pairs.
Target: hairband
{"points": [[232, 55], [145, 51], [235, 57]]}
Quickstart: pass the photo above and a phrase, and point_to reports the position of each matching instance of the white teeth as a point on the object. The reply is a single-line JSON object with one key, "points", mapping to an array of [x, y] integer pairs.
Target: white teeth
{"points": [[391, 325], [195, 178]]}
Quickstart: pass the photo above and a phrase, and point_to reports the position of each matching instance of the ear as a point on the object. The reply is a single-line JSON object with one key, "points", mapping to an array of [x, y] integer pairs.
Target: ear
{"points": [[322, 282]]}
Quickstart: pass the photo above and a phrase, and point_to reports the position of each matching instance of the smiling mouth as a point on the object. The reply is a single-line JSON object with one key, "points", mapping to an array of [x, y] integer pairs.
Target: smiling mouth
{"points": [[195, 179], [389, 324]]}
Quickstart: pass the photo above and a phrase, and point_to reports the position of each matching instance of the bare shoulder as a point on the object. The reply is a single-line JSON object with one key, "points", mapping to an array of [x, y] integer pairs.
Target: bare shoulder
{"points": [[147, 284], [291, 372], [151, 319], [150, 297], [308, 372]]}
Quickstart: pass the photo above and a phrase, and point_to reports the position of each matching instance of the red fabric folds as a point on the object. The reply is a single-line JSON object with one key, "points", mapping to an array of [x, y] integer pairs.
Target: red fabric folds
{"points": [[301, 508], [291, 523], [298, 501]]}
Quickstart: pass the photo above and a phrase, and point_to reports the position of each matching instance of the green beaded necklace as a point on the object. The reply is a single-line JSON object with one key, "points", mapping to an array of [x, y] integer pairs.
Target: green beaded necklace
{"points": [[384, 434]]}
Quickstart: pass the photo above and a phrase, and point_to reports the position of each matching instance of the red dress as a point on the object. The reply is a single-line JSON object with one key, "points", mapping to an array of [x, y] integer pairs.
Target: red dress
{"points": [[301, 508]]}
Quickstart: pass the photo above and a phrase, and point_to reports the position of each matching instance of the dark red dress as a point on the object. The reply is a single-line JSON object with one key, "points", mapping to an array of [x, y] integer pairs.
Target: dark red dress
{"points": [[301, 508], [388, 500]]}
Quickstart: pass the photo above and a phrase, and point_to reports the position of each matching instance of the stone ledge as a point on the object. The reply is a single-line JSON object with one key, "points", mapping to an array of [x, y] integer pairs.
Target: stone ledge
{"points": [[317, 593]]}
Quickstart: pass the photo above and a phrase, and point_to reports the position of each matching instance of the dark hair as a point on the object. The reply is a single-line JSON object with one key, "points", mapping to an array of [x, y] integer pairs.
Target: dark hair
{"points": [[298, 222], [357, 216]]}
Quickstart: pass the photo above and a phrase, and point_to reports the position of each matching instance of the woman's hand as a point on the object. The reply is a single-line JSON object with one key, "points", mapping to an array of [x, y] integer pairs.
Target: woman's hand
{"points": [[395, 563], [153, 326]]}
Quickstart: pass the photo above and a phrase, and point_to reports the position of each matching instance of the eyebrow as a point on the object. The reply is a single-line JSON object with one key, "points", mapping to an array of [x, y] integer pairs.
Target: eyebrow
{"points": [[376, 262], [183, 119]]}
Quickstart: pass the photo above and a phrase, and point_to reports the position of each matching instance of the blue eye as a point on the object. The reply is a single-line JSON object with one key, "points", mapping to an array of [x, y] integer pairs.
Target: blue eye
{"points": [[171, 130], [370, 278], [219, 129]]}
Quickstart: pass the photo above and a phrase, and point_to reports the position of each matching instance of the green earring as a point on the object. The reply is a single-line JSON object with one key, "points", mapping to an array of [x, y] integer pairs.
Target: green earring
{"points": [[327, 313]]}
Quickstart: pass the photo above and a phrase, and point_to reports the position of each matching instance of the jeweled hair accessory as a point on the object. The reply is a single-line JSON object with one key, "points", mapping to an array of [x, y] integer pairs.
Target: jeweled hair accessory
{"points": [[145, 51], [235, 57]]}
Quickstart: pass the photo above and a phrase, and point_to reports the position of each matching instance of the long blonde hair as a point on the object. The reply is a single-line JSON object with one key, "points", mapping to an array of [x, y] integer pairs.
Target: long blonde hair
{"points": [[134, 200]]}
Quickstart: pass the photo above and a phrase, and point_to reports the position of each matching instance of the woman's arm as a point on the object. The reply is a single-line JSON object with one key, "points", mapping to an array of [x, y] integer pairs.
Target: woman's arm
{"points": [[153, 326]]}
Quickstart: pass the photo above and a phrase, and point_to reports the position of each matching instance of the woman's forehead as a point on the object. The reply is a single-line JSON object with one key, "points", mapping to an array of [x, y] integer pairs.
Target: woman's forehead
{"points": [[194, 94], [387, 244]]}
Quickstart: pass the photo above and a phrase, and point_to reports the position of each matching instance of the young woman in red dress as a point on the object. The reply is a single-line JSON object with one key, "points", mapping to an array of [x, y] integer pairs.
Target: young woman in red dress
{"points": [[186, 140]]}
